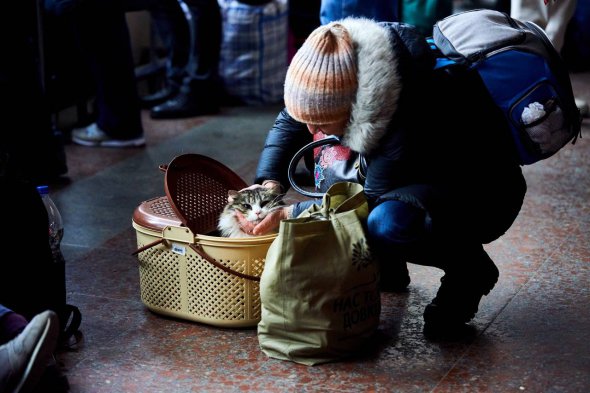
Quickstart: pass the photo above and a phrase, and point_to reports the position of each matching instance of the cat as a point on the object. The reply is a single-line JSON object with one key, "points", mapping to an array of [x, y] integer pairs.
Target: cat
{"points": [[254, 204]]}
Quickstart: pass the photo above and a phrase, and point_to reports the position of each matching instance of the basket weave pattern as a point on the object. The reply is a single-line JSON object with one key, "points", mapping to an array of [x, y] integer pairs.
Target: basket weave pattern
{"points": [[201, 206], [189, 287], [186, 272], [226, 297], [159, 279]]}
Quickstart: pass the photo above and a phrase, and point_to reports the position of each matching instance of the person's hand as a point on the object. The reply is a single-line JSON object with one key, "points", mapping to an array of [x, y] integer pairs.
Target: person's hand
{"points": [[269, 224], [272, 184], [245, 225], [272, 221]]}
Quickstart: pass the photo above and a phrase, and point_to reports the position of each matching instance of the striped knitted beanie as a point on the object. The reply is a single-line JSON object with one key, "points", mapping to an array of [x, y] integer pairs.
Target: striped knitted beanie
{"points": [[321, 81]]}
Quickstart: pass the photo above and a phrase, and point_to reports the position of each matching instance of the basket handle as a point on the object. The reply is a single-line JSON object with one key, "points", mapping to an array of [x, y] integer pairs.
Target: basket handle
{"points": [[147, 246], [203, 254]]}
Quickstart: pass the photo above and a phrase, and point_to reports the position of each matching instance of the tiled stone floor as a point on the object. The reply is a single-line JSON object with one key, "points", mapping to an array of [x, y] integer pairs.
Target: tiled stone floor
{"points": [[533, 328]]}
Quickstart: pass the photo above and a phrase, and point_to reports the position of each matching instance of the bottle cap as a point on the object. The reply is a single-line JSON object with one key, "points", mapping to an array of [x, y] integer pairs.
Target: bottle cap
{"points": [[43, 190]]}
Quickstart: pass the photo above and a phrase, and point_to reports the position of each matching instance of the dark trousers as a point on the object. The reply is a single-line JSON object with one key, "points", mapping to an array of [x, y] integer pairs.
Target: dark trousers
{"points": [[452, 237], [28, 146], [191, 29], [102, 36]]}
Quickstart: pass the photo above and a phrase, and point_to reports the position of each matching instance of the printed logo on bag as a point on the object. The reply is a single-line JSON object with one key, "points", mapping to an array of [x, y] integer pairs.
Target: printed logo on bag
{"points": [[357, 308], [361, 255], [363, 302]]}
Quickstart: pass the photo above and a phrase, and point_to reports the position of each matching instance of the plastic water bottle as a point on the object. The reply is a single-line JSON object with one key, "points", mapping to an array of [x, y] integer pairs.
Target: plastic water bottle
{"points": [[56, 226]]}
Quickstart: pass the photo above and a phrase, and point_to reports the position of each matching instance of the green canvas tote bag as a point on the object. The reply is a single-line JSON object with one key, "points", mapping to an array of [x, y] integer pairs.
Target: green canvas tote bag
{"points": [[319, 290]]}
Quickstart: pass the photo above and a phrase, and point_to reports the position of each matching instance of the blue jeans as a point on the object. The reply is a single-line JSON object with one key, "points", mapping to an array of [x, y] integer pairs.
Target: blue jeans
{"points": [[400, 232], [397, 223]]}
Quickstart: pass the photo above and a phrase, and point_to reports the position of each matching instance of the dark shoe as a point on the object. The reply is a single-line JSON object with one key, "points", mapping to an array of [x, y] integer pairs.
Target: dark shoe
{"points": [[457, 299], [159, 97], [582, 107], [183, 105], [394, 277], [438, 327]]}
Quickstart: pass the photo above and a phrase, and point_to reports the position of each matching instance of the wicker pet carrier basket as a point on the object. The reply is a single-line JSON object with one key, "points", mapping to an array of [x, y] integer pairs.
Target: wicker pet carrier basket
{"points": [[185, 270]]}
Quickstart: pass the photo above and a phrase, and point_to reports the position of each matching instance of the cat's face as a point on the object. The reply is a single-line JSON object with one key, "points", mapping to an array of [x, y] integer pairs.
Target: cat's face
{"points": [[254, 204]]}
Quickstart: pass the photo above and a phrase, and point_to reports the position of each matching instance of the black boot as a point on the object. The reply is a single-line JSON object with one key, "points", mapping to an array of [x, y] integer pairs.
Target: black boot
{"points": [[457, 299], [184, 105], [394, 276], [159, 97]]}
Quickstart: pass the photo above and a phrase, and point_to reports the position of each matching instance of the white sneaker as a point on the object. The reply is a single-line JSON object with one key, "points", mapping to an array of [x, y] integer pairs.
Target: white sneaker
{"points": [[95, 137], [23, 360]]}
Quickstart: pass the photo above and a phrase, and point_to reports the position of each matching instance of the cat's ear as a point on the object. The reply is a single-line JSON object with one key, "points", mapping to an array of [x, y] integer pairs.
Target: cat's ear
{"points": [[231, 195]]}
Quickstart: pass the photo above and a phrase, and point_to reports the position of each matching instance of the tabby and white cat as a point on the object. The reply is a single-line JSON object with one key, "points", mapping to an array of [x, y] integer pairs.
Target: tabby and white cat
{"points": [[254, 204]]}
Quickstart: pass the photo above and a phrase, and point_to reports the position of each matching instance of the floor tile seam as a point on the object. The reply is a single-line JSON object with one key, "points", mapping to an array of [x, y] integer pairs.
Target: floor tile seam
{"points": [[487, 325], [76, 188], [156, 363], [455, 363], [102, 246], [76, 293], [149, 151], [526, 284], [521, 289], [132, 154], [170, 141]]}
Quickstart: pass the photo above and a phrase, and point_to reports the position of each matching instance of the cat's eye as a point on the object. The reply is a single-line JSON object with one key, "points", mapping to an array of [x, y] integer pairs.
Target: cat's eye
{"points": [[246, 206], [263, 203]]}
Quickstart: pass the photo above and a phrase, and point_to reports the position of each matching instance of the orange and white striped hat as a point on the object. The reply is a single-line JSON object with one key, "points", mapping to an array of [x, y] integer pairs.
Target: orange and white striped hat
{"points": [[321, 81]]}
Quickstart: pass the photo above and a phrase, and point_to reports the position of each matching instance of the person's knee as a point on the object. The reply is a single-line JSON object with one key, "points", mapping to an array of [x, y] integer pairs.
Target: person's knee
{"points": [[396, 222]]}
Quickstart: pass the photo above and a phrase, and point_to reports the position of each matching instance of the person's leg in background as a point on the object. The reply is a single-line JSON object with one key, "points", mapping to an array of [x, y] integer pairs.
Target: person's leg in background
{"points": [[198, 93], [553, 16], [169, 21], [304, 17], [101, 31], [28, 145]]}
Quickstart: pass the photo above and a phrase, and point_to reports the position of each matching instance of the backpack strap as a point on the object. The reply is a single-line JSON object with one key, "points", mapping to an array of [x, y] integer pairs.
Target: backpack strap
{"points": [[441, 60]]}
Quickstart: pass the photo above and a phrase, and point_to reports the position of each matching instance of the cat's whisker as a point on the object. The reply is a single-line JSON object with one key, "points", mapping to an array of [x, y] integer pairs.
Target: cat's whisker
{"points": [[247, 202]]}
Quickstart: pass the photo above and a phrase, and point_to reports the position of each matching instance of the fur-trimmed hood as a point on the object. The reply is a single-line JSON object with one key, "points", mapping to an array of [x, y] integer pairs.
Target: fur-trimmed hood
{"points": [[379, 84]]}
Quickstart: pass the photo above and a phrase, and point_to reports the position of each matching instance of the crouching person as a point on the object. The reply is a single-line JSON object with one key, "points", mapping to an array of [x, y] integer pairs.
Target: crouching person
{"points": [[441, 176]]}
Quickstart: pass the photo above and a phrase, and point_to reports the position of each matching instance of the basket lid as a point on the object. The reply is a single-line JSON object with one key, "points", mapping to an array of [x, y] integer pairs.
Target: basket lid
{"points": [[156, 214], [197, 187]]}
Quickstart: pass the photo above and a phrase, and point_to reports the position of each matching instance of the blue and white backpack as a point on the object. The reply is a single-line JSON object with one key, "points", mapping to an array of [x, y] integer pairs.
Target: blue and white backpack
{"points": [[523, 73]]}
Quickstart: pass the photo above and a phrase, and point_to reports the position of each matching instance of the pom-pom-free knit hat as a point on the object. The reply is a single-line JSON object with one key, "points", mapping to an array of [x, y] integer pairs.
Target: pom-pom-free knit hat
{"points": [[321, 81]]}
